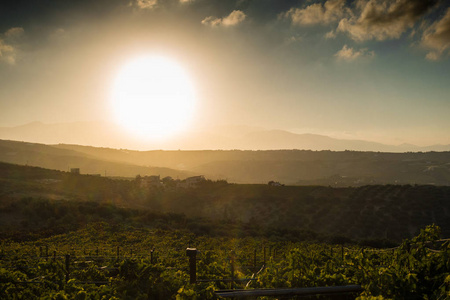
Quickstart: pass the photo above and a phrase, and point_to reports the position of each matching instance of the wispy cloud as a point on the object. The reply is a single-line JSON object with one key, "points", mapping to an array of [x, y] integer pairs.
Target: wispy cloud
{"points": [[330, 11], [8, 51], [350, 54], [234, 18], [437, 38], [384, 19], [330, 35], [14, 32], [146, 4]]}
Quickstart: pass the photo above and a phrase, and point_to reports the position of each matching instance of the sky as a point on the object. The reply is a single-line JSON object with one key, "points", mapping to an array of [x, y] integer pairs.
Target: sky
{"points": [[375, 70]]}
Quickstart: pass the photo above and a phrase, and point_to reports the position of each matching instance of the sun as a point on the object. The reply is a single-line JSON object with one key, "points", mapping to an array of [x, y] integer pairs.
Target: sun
{"points": [[153, 97]]}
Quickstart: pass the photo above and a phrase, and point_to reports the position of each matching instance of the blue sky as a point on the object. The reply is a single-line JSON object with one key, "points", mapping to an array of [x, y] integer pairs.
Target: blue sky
{"points": [[371, 69]]}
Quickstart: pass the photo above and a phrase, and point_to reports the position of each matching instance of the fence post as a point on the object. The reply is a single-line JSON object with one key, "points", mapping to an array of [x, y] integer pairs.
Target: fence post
{"points": [[67, 267], [192, 253], [151, 256], [264, 255], [232, 269], [254, 262]]}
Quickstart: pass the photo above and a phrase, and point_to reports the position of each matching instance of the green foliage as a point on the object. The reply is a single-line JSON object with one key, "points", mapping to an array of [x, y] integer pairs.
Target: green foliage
{"points": [[418, 269]]}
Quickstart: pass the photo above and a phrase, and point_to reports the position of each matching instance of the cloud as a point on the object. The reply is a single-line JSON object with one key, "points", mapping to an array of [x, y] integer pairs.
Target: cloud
{"points": [[349, 54], [234, 18], [437, 38], [146, 4], [384, 19], [8, 51], [14, 32], [330, 35], [330, 11]]}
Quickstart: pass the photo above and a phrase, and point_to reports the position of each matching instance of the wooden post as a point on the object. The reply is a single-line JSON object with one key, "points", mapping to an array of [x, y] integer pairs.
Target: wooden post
{"points": [[254, 262], [192, 254], [151, 256], [67, 267], [264, 255], [232, 269]]}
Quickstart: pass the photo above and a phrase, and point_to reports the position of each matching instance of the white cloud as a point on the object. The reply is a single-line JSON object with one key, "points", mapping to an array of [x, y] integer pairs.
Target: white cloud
{"points": [[350, 54], [437, 38], [384, 19], [317, 13], [7, 53], [146, 4], [234, 18]]}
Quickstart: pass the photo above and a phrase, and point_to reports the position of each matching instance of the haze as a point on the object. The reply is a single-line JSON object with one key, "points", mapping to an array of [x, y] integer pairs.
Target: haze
{"points": [[358, 70]]}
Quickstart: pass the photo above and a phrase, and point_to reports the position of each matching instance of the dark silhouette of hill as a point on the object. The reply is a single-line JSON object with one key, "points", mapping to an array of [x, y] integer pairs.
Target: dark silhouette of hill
{"points": [[391, 212], [63, 159], [292, 167], [300, 167]]}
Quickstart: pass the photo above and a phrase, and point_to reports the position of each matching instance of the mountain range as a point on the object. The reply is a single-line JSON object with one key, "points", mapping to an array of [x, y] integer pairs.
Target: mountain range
{"points": [[102, 134]]}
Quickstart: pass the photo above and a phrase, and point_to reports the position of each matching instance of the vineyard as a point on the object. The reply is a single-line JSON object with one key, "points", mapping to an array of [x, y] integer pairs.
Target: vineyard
{"points": [[103, 261]]}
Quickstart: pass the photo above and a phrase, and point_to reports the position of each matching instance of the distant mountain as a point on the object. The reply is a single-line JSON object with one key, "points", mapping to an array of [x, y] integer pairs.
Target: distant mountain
{"points": [[83, 133], [102, 134], [265, 140]]}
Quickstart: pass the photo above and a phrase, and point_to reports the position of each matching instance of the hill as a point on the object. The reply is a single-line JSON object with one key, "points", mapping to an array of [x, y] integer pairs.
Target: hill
{"points": [[293, 167], [391, 212], [50, 157]]}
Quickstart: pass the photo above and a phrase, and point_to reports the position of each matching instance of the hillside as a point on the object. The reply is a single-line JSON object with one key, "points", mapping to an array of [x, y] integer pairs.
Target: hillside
{"points": [[293, 167], [391, 212], [50, 157]]}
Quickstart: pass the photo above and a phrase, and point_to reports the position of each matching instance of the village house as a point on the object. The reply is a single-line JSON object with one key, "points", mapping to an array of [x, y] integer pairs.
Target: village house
{"points": [[191, 182]]}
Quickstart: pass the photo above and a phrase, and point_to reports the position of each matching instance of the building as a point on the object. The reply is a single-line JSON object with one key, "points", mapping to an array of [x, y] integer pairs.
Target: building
{"points": [[191, 182], [151, 181]]}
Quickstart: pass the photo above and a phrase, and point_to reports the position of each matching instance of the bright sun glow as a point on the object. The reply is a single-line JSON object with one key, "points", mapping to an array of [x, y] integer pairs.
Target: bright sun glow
{"points": [[153, 97]]}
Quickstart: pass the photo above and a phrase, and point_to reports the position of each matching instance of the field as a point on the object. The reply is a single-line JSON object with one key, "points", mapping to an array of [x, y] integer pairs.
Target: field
{"points": [[68, 236], [104, 262]]}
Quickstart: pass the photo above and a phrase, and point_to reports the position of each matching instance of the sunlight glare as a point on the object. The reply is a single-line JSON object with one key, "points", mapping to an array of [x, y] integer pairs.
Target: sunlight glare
{"points": [[153, 97]]}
